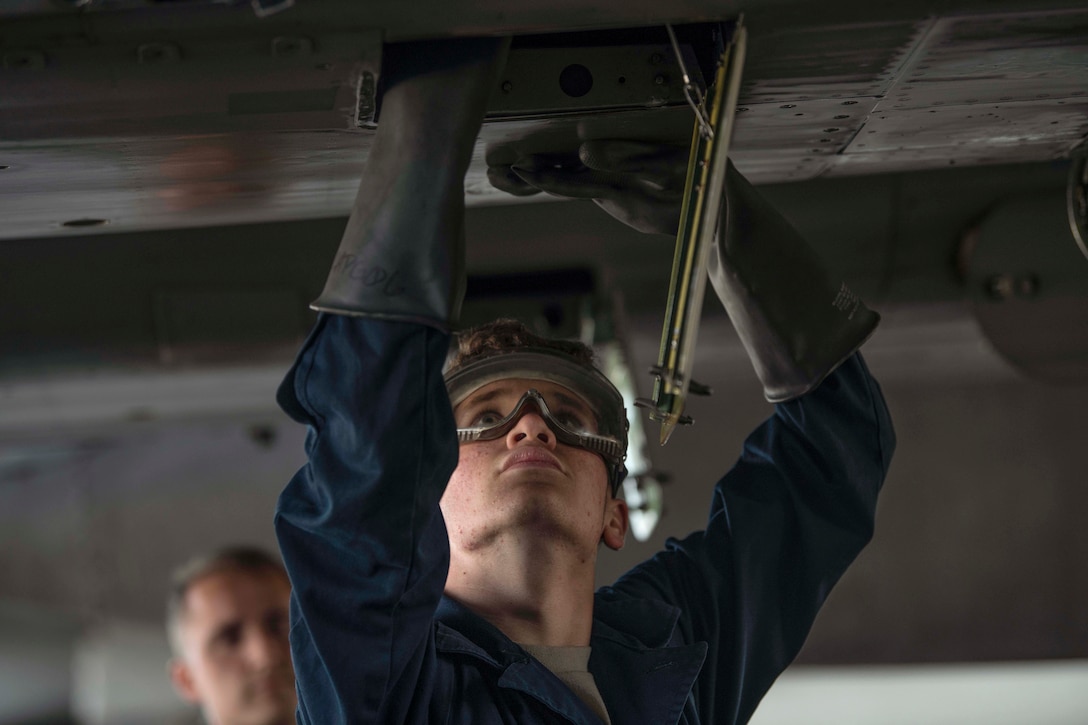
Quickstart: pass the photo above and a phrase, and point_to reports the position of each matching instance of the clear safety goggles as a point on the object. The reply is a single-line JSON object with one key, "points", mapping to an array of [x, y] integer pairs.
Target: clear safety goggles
{"points": [[568, 429], [609, 436]]}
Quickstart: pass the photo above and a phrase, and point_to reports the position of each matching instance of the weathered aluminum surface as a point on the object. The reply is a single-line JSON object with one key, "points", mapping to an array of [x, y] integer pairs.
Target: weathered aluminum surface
{"points": [[176, 115]]}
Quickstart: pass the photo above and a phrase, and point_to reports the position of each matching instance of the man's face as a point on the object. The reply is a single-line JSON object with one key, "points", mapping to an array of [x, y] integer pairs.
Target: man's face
{"points": [[527, 480], [236, 661]]}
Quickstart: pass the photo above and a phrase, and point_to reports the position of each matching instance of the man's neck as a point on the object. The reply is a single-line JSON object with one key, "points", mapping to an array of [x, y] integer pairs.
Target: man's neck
{"points": [[533, 594]]}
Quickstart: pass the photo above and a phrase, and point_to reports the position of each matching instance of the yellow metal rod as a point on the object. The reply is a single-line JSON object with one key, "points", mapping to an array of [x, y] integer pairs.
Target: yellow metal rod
{"points": [[703, 195]]}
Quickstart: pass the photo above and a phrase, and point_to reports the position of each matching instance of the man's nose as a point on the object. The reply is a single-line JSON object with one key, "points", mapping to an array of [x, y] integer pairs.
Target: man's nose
{"points": [[531, 425], [266, 649]]}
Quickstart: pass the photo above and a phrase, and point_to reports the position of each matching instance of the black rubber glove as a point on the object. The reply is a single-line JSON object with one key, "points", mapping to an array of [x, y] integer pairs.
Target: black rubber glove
{"points": [[639, 183], [402, 253], [795, 322]]}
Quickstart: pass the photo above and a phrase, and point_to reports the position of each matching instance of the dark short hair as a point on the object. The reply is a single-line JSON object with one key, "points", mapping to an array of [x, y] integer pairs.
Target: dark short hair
{"points": [[508, 335], [249, 559]]}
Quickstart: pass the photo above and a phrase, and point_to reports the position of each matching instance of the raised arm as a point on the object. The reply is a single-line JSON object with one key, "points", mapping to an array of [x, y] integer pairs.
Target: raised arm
{"points": [[796, 509], [359, 525], [785, 523]]}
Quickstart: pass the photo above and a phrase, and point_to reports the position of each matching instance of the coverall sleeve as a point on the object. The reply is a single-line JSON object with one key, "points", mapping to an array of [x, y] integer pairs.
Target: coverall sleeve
{"points": [[784, 524], [359, 525]]}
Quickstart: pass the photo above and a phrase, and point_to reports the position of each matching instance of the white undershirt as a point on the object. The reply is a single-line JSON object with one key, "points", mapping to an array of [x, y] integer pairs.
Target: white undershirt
{"points": [[571, 666]]}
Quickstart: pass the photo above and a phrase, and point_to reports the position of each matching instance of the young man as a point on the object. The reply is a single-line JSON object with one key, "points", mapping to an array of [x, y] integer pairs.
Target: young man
{"points": [[227, 618], [442, 539]]}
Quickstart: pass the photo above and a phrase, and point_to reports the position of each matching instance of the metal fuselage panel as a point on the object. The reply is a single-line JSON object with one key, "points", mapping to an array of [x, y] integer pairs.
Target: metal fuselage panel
{"points": [[143, 116]]}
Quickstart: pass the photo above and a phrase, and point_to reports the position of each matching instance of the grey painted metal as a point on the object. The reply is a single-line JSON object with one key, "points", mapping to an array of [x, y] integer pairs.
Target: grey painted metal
{"points": [[227, 119]]}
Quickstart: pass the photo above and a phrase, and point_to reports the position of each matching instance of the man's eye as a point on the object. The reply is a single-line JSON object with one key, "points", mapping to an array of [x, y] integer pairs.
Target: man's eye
{"points": [[486, 418], [276, 623], [229, 636], [574, 420]]}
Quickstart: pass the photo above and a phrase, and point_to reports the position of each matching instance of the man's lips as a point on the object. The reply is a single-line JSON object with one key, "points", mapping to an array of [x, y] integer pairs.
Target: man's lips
{"points": [[531, 457], [272, 686]]}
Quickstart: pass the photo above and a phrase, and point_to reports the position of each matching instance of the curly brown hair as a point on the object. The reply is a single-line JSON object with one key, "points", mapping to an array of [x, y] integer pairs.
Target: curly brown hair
{"points": [[507, 335]]}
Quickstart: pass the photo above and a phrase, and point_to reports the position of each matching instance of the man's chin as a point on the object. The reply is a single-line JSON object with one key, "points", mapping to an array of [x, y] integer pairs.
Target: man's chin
{"points": [[271, 705], [280, 714], [547, 514]]}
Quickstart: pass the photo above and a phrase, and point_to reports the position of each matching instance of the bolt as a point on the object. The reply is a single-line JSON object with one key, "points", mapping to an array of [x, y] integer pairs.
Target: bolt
{"points": [[507, 86], [659, 80]]}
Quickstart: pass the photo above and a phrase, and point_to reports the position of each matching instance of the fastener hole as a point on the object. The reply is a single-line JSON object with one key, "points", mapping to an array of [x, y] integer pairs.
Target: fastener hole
{"points": [[575, 80], [75, 223]]}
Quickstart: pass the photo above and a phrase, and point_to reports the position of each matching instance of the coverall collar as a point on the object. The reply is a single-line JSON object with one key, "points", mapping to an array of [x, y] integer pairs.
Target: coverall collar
{"points": [[642, 672]]}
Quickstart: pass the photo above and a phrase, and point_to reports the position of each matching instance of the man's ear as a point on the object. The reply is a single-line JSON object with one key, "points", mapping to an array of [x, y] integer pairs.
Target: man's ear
{"points": [[615, 524], [181, 677]]}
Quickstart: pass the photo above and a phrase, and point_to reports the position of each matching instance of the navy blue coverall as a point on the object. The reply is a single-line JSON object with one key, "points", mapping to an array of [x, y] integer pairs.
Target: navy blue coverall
{"points": [[696, 634]]}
